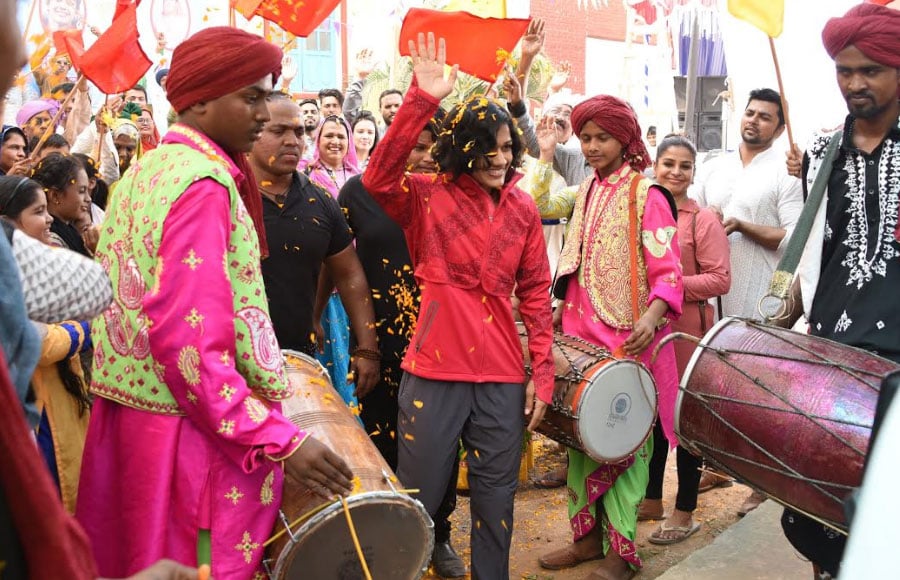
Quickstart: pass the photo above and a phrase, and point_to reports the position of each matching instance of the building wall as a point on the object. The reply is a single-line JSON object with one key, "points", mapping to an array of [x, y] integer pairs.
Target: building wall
{"points": [[568, 27]]}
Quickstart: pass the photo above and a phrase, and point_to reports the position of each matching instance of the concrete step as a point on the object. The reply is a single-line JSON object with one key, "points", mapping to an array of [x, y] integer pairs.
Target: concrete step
{"points": [[752, 549]]}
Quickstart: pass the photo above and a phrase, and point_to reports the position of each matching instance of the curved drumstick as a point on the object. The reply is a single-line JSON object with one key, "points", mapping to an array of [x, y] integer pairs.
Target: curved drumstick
{"points": [[670, 338]]}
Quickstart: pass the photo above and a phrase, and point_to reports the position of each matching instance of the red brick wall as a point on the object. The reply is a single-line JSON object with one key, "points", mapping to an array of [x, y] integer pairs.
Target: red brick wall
{"points": [[568, 27]]}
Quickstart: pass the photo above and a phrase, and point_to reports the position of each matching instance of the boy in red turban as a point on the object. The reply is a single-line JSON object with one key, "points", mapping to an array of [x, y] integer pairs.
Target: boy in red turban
{"points": [[187, 447]]}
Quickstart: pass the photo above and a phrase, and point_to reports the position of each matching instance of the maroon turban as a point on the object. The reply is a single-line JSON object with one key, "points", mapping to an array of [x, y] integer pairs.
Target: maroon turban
{"points": [[617, 118], [217, 61], [211, 64], [873, 29]]}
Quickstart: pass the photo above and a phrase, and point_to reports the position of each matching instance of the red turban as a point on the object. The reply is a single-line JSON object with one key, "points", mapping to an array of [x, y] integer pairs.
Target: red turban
{"points": [[217, 61], [873, 29], [617, 118], [211, 64]]}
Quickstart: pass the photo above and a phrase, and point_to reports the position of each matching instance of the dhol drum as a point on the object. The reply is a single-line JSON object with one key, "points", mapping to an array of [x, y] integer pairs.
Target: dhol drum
{"points": [[788, 413], [602, 405], [395, 533]]}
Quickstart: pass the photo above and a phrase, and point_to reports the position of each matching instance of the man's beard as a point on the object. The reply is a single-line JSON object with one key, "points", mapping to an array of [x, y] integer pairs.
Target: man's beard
{"points": [[866, 111]]}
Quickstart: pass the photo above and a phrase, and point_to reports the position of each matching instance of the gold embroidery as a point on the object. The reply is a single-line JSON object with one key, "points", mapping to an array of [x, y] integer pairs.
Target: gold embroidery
{"points": [[191, 397], [256, 410], [234, 495], [266, 494], [192, 260], [225, 358], [226, 392], [189, 365], [226, 427], [195, 319], [247, 547], [658, 242]]}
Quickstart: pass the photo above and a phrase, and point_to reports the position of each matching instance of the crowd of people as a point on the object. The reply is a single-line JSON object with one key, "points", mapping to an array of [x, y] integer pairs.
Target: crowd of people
{"points": [[149, 283]]}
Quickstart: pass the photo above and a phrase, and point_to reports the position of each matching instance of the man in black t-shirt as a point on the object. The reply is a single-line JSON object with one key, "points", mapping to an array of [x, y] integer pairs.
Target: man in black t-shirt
{"points": [[305, 229]]}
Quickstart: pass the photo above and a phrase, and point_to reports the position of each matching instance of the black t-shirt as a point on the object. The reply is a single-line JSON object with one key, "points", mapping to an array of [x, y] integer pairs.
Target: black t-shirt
{"points": [[381, 247], [854, 302], [309, 228]]}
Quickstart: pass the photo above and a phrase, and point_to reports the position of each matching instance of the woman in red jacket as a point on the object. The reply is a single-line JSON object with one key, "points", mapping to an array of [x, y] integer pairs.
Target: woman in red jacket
{"points": [[474, 238]]}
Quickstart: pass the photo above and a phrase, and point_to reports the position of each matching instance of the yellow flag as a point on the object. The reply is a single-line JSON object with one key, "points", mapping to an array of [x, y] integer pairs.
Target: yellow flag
{"points": [[767, 15], [483, 8]]}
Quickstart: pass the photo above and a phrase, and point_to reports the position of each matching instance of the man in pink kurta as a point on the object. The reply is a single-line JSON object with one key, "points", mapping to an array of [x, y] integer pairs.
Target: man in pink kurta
{"points": [[186, 444]]}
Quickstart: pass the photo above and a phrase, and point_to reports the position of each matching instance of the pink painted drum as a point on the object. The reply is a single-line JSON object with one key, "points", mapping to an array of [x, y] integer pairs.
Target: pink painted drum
{"points": [[312, 539], [602, 405], [788, 413]]}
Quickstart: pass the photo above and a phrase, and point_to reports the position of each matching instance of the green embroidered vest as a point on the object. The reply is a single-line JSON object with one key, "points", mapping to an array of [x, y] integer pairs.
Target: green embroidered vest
{"points": [[124, 368]]}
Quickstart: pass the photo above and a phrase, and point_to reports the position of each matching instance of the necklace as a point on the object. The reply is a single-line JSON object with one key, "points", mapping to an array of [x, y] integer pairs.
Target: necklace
{"points": [[278, 198], [332, 174]]}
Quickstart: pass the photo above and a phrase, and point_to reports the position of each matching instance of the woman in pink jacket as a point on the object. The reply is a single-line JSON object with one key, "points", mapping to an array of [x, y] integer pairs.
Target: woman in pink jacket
{"points": [[707, 274]]}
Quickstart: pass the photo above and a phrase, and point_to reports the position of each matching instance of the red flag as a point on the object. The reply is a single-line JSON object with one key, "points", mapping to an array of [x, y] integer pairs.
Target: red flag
{"points": [[116, 62], [299, 17], [123, 5], [70, 42], [480, 46]]}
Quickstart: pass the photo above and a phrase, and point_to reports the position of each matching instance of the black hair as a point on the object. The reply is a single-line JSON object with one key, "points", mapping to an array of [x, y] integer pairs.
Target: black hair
{"points": [[769, 96], [365, 115], [64, 87], [9, 130], [54, 141], [387, 92], [675, 140], [90, 166], [139, 88], [16, 194], [100, 194], [651, 130], [310, 102], [469, 134], [57, 171], [332, 93], [435, 123]]}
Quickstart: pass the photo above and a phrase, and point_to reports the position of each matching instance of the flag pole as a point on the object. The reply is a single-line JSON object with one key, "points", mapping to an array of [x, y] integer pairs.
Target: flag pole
{"points": [[51, 128], [784, 103], [30, 18]]}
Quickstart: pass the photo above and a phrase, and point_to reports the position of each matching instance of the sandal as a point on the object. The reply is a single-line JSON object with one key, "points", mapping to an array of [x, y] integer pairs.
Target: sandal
{"points": [[683, 532], [552, 480], [644, 515], [711, 480]]}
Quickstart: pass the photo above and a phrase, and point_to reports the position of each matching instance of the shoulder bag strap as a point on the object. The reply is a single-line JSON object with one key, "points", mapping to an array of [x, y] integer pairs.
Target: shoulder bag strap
{"points": [[701, 304]]}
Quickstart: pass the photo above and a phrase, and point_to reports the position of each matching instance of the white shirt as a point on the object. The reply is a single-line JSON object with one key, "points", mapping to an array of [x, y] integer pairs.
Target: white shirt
{"points": [[761, 193]]}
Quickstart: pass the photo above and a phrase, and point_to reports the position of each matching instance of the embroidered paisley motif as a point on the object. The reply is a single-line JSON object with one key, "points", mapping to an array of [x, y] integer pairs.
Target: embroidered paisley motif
{"points": [[255, 410], [658, 242], [266, 494], [189, 365], [262, 336]]}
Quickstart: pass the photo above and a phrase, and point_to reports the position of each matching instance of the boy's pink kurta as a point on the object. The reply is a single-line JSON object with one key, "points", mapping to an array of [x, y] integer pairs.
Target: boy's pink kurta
{"points": [[150, 482], [664, 281], [708, 248]]}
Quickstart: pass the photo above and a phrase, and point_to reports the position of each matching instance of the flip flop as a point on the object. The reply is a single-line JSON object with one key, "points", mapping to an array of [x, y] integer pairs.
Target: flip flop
{"points": [[686, 532]]}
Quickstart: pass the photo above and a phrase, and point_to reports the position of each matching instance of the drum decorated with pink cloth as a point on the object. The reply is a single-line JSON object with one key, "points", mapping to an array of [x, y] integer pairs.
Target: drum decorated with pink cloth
{"points": [[788, 413], [312, 538]]}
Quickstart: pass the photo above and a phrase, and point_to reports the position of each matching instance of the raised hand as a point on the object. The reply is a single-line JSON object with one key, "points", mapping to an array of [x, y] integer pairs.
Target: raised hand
{"points": [[288, 70], [547, 137], [794, 162], [364, 63], [512, 87], [533, 40], [560, 77], [428, 66]]}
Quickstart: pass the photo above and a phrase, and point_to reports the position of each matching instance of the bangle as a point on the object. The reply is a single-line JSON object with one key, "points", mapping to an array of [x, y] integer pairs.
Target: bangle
{"points": [[366, 353]]}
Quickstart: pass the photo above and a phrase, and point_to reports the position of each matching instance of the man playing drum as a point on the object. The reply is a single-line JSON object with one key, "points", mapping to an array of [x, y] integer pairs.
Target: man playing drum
{"points": [[187, 448], [850, 269], [617, 218]]}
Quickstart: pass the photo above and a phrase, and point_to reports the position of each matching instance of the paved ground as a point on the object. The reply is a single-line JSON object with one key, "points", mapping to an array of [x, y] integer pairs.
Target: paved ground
{"points": [[541, 526]]}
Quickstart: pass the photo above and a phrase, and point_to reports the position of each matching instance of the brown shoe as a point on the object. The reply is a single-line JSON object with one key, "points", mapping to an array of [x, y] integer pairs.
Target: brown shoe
{"points": [[752, 502], [713, 479], [571, 555]]}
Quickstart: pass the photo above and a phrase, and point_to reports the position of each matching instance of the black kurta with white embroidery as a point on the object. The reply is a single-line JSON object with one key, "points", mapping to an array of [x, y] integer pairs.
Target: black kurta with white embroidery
{"points": [[857, 301]]}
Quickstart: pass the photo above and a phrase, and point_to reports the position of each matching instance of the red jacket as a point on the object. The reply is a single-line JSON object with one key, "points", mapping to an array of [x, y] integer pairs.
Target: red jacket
{"points": [[469, 255]]}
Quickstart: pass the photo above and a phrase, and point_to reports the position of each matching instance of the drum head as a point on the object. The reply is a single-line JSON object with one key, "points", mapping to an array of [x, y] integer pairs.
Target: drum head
{"points": [[395, 533], [616, 411]]}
